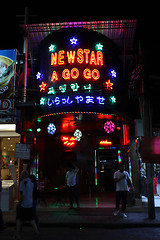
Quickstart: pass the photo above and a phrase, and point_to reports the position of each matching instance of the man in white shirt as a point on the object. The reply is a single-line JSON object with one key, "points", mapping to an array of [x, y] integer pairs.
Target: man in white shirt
{"points": [[25, 207], [71, 182], [122, 179]]}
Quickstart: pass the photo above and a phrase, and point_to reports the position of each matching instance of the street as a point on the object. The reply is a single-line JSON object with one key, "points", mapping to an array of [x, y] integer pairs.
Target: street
{"points": [[86, 233]]}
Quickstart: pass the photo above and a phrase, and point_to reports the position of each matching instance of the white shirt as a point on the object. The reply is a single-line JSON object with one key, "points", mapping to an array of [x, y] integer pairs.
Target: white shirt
{"points": [[71, 177], [122, 185], [26, 187]]}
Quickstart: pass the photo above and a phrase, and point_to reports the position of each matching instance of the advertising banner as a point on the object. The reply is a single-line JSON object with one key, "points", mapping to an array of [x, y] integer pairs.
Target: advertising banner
{"points": [[7, 73], [6, 110]]}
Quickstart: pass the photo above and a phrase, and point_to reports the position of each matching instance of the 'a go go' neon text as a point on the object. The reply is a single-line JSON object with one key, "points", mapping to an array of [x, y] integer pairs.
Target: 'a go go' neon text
{"points": [[81, 56]]}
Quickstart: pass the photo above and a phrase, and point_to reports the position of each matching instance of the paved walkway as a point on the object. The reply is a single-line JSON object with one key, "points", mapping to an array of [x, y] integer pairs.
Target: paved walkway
{"points": [[94, 212], [89, 217]]}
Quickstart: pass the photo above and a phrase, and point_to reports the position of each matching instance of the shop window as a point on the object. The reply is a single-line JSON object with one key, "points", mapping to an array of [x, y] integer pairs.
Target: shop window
{"points": [[7, 152]]}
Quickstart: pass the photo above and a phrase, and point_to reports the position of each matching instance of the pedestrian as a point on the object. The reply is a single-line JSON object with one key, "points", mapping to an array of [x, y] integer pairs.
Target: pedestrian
{"points": [[1, 214], [122, 180], [36, 196], [25, 207], [71, 183]]}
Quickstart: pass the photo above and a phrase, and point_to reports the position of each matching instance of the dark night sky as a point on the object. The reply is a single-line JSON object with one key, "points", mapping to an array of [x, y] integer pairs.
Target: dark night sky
{"points": [[52, 11]]}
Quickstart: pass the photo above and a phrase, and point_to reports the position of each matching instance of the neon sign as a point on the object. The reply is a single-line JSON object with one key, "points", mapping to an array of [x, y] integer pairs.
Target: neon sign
{"points": [[74, 87], [105, 143], [69, 100], [68, 141], [80, 56], [75, 75]]}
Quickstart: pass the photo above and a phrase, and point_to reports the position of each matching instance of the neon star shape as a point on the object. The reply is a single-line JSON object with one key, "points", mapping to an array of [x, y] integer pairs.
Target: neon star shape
{"points": [[113, 74], [109, 84], [43, 87], [73, 41], [38, 76], [112, 99], [52, 48], [99, 46]]}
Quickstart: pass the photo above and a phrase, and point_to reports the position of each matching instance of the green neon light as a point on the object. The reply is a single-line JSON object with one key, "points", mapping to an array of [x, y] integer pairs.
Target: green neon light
{"points": [[52, 48], [99, 47], [74, 87], [39, 120], [38, 129], [96, 201], [51, 90], [112, 99], [29, 130]]}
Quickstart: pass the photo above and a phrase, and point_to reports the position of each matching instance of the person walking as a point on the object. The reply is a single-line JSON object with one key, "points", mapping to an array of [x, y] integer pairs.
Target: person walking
{"points": [[25, 207], [71, 183], [122, 180]]}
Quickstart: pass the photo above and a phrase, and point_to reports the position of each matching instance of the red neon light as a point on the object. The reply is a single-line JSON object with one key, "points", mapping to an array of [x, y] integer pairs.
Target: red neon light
{"points": [[65, 138], [68, 141], [54, 76], [109, 84], [54, 59], [74, 73], [87, 73], [93, 58], [79, 56], [95, 74], [61, 57], [66, 74], [105, 142], [71, 56], [43, 87]]}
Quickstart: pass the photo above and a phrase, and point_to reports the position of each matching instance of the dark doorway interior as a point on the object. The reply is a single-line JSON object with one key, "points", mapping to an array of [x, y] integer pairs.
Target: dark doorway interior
{"points": [[107, 165]]}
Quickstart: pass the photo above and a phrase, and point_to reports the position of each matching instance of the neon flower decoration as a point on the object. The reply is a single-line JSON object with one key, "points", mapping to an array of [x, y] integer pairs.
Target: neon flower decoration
{"points": [[109, 127], [51, 128], [77, 134], [73, 41]]}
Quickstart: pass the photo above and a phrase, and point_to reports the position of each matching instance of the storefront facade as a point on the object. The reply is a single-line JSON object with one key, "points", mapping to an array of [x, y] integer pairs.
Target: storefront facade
{"points": [[80, 77]]}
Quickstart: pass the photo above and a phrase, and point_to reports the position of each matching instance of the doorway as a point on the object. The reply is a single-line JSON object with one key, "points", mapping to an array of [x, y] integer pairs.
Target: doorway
{"points": [[107, 165]]}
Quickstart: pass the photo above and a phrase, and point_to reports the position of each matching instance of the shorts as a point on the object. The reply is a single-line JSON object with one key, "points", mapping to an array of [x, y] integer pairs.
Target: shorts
{"points": [[24, 214]]}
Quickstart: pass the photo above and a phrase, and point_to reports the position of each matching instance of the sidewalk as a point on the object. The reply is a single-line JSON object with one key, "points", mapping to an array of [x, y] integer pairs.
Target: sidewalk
{"points": [[96, 211], [89, 217]]}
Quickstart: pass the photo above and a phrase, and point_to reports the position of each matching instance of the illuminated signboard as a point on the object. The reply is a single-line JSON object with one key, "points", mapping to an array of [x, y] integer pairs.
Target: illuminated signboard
{"points": [[7, 73], [76, 72]]}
